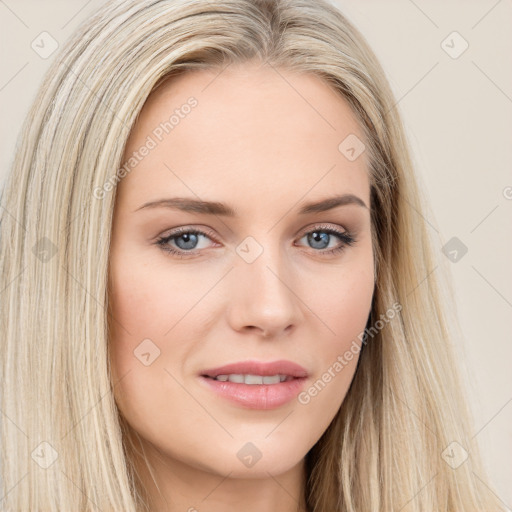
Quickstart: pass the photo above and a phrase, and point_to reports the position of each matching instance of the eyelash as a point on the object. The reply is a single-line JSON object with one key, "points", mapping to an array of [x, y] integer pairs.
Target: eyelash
{"points": [[347, 239]]}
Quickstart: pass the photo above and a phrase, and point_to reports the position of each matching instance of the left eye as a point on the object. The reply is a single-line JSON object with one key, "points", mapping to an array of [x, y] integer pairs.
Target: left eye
{"points": [[320, 239], [186, 241]]}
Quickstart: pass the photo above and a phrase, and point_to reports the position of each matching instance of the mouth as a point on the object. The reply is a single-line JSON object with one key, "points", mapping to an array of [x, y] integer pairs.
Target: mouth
{"points": [[251, 379], [252, 372], [256, 385]]}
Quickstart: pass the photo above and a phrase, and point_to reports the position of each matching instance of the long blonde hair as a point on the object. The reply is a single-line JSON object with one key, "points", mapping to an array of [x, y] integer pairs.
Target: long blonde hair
{"points": [[63, 446]]}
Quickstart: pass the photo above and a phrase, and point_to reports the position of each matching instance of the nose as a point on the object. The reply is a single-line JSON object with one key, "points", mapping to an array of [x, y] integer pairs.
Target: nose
{"points": [[264, 297]]}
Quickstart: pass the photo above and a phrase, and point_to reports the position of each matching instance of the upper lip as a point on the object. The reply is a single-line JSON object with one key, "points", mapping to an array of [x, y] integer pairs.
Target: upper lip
{"points": [[281, 367]]}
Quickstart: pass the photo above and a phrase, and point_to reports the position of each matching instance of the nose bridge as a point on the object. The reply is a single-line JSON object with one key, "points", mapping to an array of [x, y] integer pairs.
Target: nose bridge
{"points": [[264, 296]]}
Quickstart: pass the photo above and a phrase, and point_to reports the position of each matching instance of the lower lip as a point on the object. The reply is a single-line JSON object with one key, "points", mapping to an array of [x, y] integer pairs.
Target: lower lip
{"points": [[257, 396]]}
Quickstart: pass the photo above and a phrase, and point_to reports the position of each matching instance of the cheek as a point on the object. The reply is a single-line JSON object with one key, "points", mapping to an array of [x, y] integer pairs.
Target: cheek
{"points": [[147, 302], [342, 299], [142, 309], [342, 304], [157, 321]]}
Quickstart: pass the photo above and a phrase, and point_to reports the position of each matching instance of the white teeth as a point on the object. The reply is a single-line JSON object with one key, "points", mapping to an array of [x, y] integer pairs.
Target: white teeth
{"points": [[252, 379], [271, 379]]}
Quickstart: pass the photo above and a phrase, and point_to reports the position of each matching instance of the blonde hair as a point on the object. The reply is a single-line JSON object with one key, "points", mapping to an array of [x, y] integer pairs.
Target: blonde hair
{"points": [[383, 450]]}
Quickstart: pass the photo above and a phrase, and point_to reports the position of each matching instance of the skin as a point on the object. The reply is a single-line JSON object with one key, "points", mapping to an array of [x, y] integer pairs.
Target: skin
{"points": [[256, 144]]}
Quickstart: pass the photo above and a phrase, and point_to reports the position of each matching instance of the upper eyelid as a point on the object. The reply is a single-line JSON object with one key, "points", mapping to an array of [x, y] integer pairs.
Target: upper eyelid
{"points": [[206, 231], [187, 229]]}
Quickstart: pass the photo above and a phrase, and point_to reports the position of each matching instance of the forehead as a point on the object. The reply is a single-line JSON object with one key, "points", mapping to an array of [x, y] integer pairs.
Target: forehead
{"points": [[265, 133]]}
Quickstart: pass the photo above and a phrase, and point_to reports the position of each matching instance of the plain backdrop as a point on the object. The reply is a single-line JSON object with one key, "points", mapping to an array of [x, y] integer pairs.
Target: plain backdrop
{"points": [[449, 66]]}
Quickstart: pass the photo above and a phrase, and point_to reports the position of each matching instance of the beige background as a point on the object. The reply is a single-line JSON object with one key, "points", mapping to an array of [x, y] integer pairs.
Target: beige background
{"points": [[458, 115]]}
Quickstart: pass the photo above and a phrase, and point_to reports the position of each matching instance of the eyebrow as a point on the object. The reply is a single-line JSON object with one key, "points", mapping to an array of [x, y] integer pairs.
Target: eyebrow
{"points": [[217, 208]]}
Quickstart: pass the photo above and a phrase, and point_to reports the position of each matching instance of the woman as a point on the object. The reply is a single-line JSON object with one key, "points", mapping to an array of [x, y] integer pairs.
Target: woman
{"points": [[212, 253]]}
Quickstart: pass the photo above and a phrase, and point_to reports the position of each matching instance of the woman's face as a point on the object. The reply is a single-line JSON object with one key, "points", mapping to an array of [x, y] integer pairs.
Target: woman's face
{"points": [[226, 171]]}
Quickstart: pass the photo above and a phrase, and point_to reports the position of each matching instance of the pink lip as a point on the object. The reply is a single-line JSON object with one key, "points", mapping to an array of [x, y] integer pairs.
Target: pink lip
{"points": [[258, 396], [258, 368]]}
